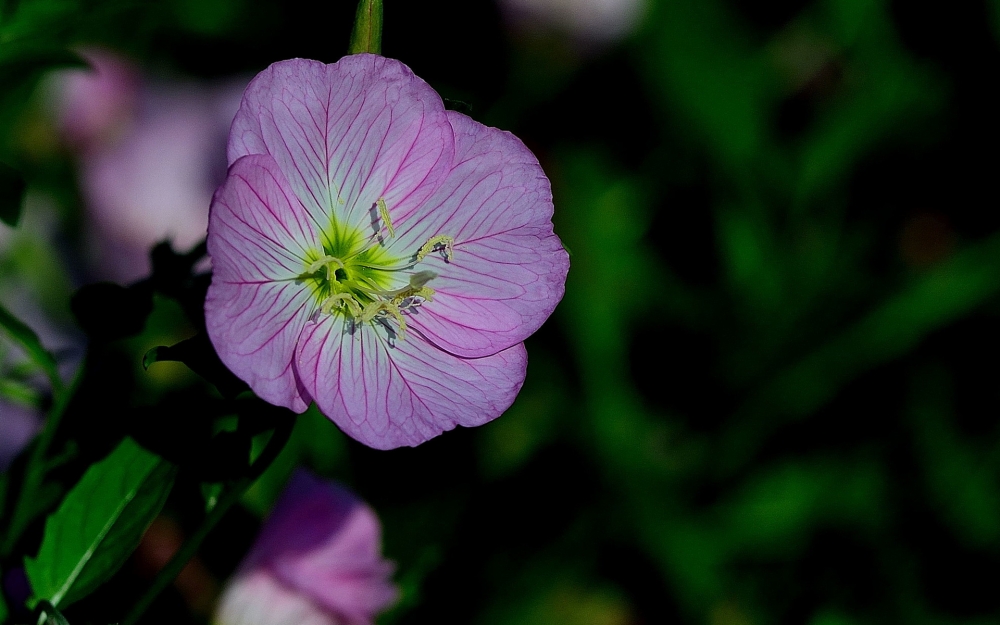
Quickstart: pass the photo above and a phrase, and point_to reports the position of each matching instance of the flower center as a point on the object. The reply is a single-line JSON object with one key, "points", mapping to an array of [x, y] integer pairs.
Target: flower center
{"points": [[354, 275]]}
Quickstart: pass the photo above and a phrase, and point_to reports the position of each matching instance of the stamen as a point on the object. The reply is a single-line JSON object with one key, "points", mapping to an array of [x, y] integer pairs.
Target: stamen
{"points": [[383, 210], [341, 299], [421, 278], [438, 242], [355, 287], [388, 308], [416, 288], [328, 262]]}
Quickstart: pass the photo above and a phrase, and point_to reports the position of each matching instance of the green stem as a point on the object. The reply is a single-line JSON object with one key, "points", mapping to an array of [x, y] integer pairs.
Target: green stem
{"points": [[47, 611], [367, 33], [36, 469], [173, 568]]}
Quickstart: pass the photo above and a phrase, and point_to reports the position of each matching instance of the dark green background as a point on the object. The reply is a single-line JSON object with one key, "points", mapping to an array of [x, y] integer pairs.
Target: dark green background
{"points": [[769, 395]]}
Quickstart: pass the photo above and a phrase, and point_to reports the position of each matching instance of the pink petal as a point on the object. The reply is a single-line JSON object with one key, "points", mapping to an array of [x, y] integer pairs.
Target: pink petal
{"points": [[346, 573], [390, 393], [347, 134], [255, 308], [94, 104], [324, 542], [258, 598], [509, 268]]}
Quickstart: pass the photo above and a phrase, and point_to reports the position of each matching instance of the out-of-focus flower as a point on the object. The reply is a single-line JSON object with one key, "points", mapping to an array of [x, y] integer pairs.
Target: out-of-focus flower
{"points": [[93, 106], [150, 155], [589, 20], [17, 426], [376, 253], [316, 561]]}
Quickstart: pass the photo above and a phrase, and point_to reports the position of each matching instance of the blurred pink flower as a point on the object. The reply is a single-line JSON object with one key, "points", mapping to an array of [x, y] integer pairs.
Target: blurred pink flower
{"points": [[376, 253], [316, 561], [95, 104], [18, 425], [594, 21], [150, 155]]}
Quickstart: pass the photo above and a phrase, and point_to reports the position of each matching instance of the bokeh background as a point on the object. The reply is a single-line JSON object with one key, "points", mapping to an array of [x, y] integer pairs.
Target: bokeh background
{"points": [[769, 395]]}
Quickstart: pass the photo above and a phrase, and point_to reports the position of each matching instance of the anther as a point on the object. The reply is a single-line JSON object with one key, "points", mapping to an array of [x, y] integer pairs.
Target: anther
{"points": [[439, 242], [383, 211], [417, 288], [388, 308], [421, 278]]}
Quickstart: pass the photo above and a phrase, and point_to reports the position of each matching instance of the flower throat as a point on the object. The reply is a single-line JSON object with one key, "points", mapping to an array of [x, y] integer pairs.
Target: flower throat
{"points": [[355, 276]]}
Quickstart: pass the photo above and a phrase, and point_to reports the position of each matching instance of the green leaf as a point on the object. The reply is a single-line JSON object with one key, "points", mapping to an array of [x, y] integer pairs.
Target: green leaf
{"points": [[11, 194], [21, 67], [38, 19], [367, 33], [19, 393], [99, 523], [28, 340], [24, 59]]}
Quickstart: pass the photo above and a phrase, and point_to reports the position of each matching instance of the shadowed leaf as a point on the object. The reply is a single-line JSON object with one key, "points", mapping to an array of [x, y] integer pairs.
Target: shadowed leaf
{"points": [[99, 523], [107, 311]]}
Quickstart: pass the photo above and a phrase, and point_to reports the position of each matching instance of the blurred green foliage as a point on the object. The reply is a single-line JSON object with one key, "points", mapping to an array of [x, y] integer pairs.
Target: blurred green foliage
{"points": [[767, 396]]}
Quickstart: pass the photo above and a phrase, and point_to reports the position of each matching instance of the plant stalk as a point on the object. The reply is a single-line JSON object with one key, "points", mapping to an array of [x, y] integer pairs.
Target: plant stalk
{"points": [[173, 568]]}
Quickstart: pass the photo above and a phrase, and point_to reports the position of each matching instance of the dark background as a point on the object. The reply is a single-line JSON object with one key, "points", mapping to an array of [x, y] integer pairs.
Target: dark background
{"points": [[769, 395]]}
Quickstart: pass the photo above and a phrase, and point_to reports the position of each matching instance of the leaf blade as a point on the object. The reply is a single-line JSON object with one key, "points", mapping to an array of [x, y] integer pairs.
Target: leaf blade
{"points": [[99, 523]]}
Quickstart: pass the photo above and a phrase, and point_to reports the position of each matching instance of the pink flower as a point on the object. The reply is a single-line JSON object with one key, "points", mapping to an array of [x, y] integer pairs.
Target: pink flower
{"points": [[150, 154], [18, 425], [376, 253], [593, 21], [316, 561], [94, 105]]}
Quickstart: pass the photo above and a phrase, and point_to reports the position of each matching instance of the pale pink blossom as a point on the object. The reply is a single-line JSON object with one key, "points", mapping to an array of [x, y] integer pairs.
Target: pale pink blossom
{"points": [[150, 152], [378, 254], [316, 561]]}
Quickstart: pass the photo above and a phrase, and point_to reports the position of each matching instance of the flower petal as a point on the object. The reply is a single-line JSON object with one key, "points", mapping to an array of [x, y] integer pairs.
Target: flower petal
{"points": [[324, 542], [255, 309], [259, 598], [388, 393], [347, 134], [509, 268]]}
